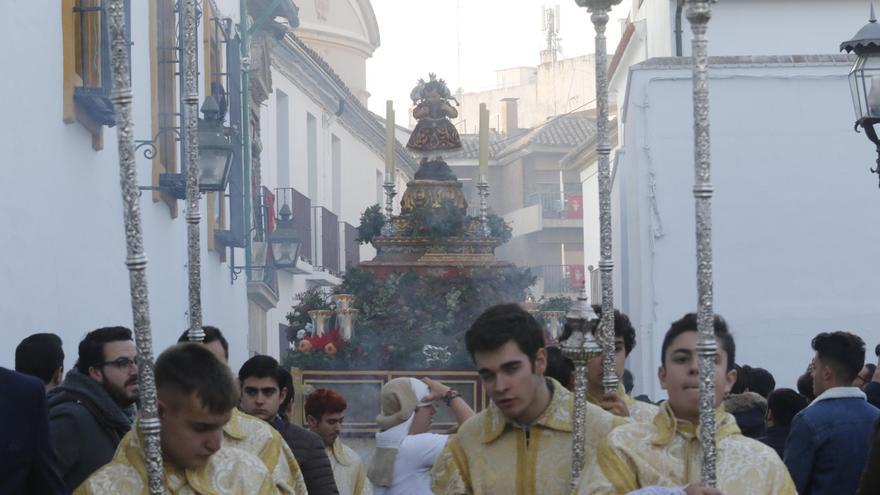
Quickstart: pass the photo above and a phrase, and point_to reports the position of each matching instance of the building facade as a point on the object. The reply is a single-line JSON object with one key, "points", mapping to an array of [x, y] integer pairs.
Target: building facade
{"points": [[538, 196], [60, 143], [792, 235]]}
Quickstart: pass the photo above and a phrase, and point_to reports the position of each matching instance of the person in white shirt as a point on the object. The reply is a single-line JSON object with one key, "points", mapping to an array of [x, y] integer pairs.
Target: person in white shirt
{"points": [[405, 448]]}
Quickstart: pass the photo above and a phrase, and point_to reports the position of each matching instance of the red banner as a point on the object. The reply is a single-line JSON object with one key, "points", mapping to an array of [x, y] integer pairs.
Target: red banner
{"points": [[269, 198], [574, 206], [576, 276]]}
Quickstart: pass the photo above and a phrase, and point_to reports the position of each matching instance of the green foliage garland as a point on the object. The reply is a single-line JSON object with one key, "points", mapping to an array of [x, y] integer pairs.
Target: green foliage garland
{"points": [[372, 220], [403, 313]]}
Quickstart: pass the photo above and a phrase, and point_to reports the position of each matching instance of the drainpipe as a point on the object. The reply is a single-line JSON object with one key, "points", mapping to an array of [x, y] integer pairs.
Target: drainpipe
{"points": [[678, 31], [245, 132]]}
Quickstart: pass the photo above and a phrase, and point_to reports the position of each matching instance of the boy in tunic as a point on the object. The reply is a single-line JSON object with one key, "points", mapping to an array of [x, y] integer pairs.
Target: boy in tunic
{"points": [[667, 452], [619, 403], [196, 395], [520, 444]]}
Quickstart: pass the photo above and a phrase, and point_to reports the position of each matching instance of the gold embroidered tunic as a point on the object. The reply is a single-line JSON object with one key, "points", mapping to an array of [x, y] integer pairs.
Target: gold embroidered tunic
{"points": [[492, 454], [639, 411], [259, 438], [667, 452], [229, 471], [348, 470]]}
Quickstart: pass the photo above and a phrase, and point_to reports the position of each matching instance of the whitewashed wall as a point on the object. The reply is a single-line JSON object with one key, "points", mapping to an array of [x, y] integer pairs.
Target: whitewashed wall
{"points": [[360, 163], [743, 27], [795, 233], [63, 250]]}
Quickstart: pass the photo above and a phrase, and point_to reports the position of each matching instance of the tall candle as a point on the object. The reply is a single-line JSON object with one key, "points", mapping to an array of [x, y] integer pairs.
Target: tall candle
{"points": [[389, 141], [484, 143]]}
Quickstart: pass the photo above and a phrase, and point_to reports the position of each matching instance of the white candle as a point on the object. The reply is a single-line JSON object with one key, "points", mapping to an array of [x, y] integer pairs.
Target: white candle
{"points": [[484, 143], [389, 141]]}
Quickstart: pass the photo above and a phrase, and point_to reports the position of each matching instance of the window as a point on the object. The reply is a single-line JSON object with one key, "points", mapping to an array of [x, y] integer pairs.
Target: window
{"points": [[215, 34], [312, 156], [164, 101], [336, 164], [87, 81], [282, 128]]}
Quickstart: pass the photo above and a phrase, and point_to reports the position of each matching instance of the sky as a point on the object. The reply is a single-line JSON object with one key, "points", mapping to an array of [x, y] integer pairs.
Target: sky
{"points": [[466, 41]]}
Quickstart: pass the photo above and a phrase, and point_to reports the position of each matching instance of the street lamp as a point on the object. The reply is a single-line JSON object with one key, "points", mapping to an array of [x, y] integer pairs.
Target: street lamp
{"points": [[215, 149], [216, 152], [284, 241], [864, 80]]}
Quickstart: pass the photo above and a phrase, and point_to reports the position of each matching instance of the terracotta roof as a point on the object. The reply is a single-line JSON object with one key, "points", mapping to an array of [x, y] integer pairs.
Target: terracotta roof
{"points": [[470, 147], [564, 131]]}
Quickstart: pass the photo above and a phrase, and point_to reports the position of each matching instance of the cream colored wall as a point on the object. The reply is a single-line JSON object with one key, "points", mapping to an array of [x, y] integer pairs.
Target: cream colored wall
{"points": [[345, 34], [559, 87]]}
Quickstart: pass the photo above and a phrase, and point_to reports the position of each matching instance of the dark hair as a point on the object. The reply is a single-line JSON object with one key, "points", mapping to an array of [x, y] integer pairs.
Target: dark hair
{"points": [[285, 381], [688, 323], [260, 367], [501, 324], [39, 355], [785, 403], [871, 369], [628, 381], [762, 382], [211, 334], [742, 379], [842, 351], [805, 386], [91, 348], [189, 369], [324, 401], [559, 367], [622, 328], [750, 379]]}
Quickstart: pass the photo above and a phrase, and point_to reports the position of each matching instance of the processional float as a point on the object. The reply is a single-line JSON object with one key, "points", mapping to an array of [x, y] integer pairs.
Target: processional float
{"points": [[148, 420], [582, 320]]}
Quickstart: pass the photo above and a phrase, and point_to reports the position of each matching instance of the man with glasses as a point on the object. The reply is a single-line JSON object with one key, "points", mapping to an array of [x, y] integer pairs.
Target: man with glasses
{"points": [[94, 406]]}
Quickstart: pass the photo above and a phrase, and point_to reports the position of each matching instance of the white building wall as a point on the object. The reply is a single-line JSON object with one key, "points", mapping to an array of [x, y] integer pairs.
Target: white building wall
{"points": [[64, 249], [590, 190], [360, 163], [794, 234], [774, 27]]}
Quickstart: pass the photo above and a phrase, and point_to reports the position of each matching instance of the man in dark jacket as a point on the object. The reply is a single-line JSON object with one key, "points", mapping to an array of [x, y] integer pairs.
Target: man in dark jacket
{"points": [[263, 389], [870, 484], [94, 406], [783, 404], [27, 462], [828, 445]]}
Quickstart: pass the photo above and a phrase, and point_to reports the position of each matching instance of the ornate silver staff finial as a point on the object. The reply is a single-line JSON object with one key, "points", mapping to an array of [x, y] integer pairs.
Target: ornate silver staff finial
{"points": [[580, 347], [599, 10], [699, 14], [190, 100], [135, 258]]}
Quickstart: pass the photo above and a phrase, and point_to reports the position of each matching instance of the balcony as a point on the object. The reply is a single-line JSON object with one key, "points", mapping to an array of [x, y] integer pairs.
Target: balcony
{"points": [[554, 280], [567, 207]]}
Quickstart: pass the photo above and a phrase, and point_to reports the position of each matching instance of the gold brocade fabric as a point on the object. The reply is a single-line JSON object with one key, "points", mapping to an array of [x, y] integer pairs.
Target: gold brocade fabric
{"points": [[348, 470], [641, 412], [229, 471], [491, 454], [259, 438], [667, 453]]}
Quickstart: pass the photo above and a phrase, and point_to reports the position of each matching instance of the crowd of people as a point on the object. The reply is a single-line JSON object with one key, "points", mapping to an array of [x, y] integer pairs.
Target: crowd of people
{"points": [[81, 433]]}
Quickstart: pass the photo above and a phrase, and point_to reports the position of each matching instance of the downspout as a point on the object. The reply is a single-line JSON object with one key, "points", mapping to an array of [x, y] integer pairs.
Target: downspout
{"points": [[678, 31], [246, 133]]}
